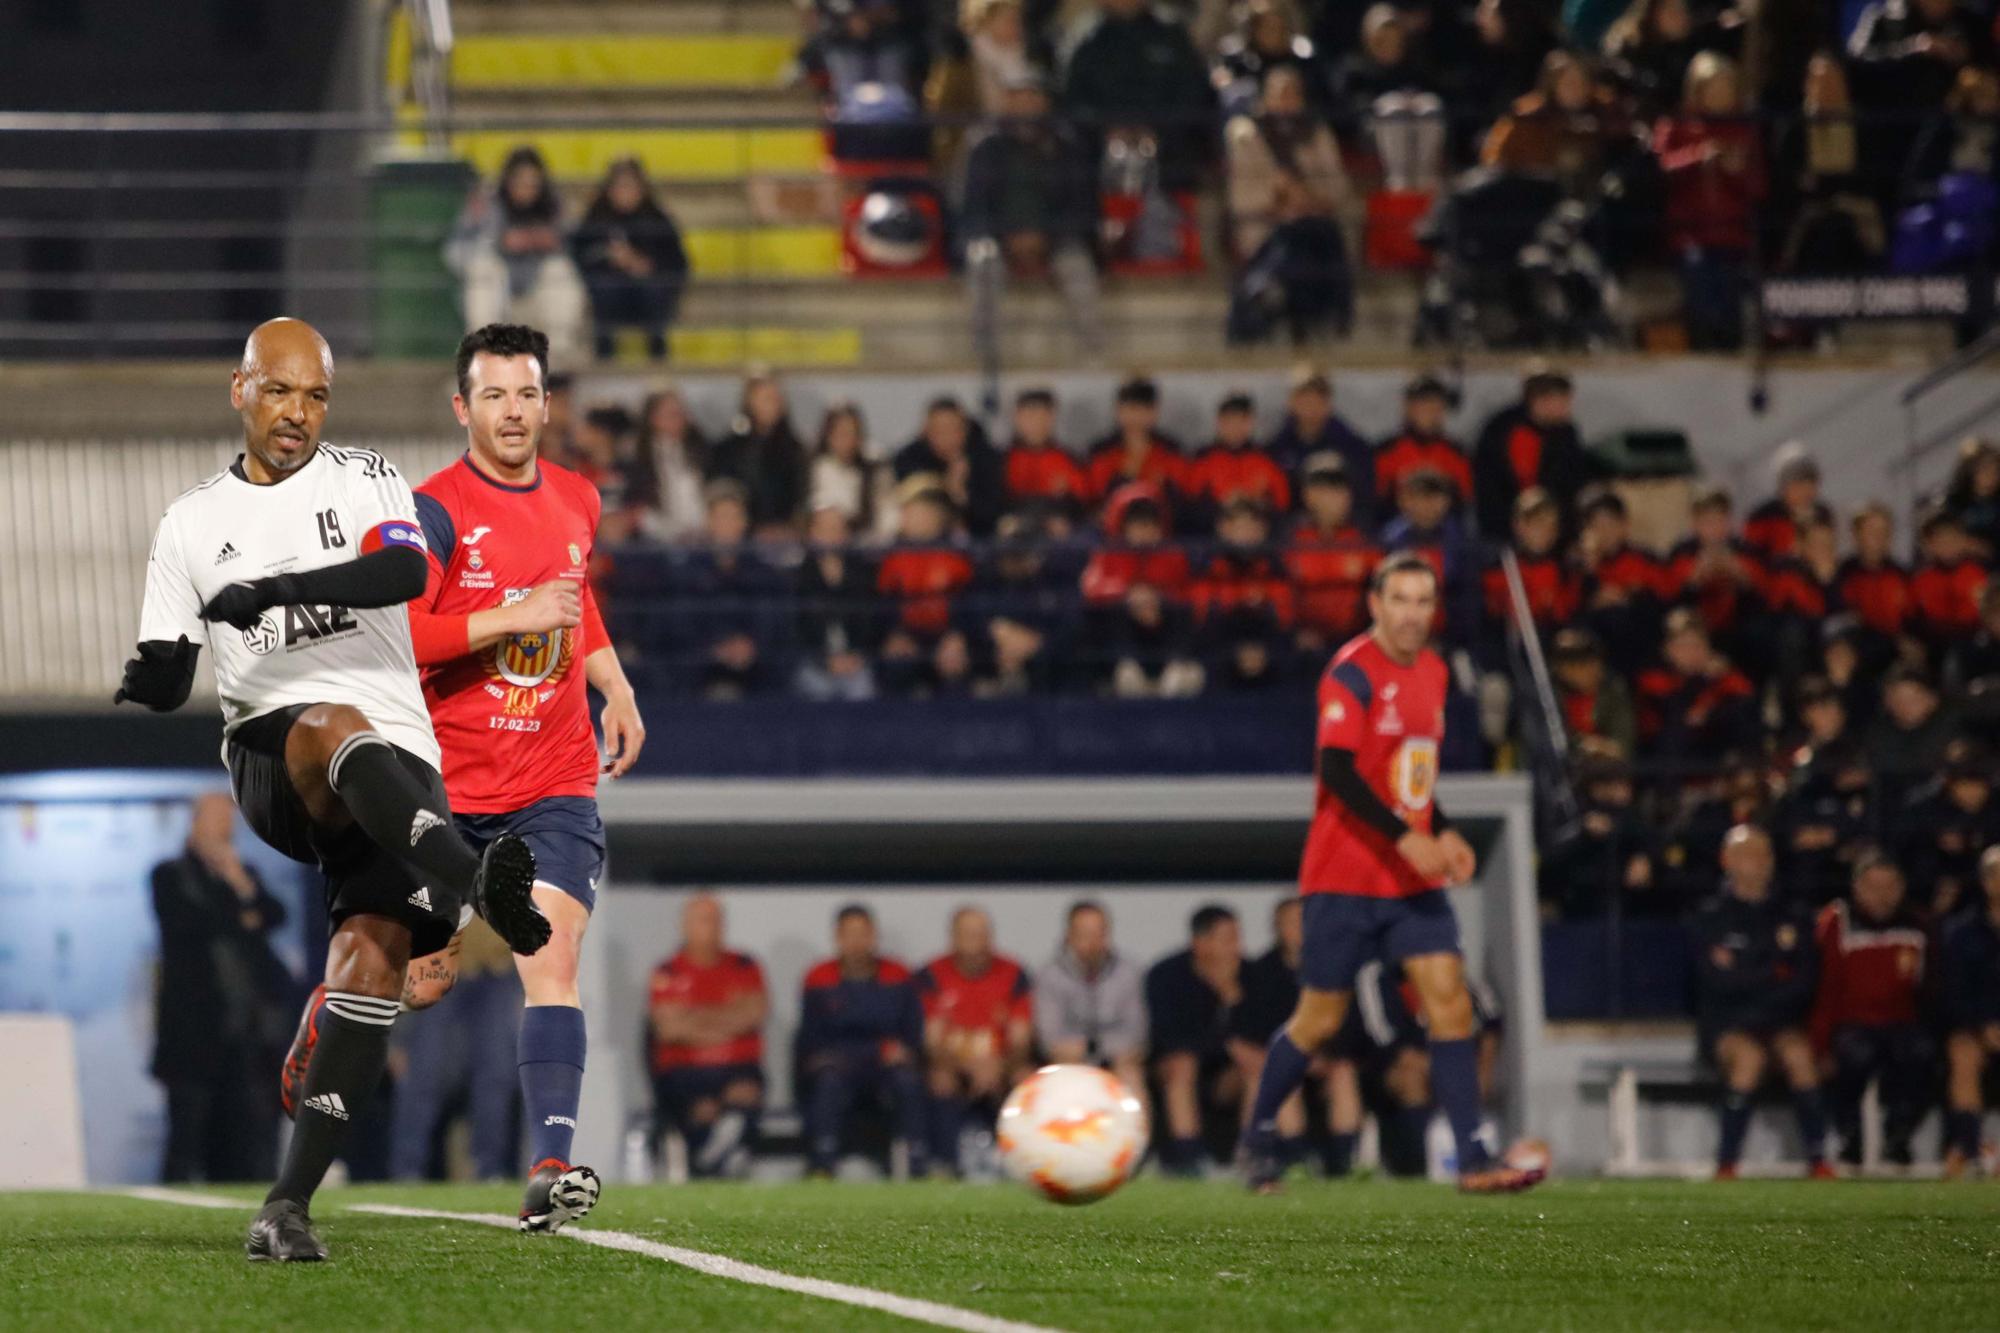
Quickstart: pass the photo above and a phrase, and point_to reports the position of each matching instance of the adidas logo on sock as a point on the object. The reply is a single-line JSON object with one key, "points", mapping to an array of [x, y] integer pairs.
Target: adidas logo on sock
{"points": [[421, 898], [328, 1103], [422, 824], [228, 552]]}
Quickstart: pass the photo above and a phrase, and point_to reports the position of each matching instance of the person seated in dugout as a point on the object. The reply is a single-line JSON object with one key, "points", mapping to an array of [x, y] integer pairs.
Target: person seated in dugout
{"points": [[861, 1036], [707, 1010], [1190, 996], [978, 1031]]}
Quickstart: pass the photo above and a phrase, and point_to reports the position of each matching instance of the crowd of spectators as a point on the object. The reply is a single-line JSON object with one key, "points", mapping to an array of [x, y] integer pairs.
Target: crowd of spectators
{"points": [[1715, 138], [922, 1049]]}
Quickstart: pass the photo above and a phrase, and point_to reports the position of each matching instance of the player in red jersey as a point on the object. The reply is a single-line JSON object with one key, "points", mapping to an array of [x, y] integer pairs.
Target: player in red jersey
{"points": [[507, 635], [708, 1006], [1376, 863], [979, 1023]]}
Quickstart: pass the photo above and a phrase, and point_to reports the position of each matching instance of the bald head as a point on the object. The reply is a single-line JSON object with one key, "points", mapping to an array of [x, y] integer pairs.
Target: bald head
{"points": [[701, 926], [1747, 861], [281, 390], [213, 824]]}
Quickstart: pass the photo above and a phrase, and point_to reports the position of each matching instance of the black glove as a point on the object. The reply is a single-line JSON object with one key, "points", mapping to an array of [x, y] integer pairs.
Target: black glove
{"points": [[160, 676], [240, 604]]}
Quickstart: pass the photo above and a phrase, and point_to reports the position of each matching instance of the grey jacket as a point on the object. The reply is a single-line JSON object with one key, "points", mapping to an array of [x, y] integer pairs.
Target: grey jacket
{"points": [[1107, 1011]]}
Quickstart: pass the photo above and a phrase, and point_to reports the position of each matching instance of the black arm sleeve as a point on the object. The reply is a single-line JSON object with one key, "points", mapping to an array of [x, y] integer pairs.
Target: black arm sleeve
{"points": [[388, 577], [1440, 823], [1337, 775]]}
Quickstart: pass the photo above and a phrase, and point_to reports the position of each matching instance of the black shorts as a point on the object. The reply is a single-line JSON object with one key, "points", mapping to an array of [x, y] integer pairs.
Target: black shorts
{"points": [[360, 875]]}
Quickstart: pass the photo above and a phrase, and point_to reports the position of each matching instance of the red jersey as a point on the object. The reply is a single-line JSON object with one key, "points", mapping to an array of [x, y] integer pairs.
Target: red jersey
{"points": [[1554, 591], [1396, 458], [923, 580], [1243, 580], [512, 720], [1878, 594], [681, 980], [1045, 472], [1163, 464], [1870, 973], [1332, 572], [1944, 599], [976, 1011], [1112, 573], [1221, 474], [1391, 717]]}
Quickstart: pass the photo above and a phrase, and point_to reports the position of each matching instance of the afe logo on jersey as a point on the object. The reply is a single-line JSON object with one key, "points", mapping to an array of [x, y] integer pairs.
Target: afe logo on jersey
{"points": [[308, 624], [262, 637]]}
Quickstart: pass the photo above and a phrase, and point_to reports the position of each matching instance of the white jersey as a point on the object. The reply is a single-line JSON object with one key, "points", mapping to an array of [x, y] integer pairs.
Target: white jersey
{"points": [[340, 505]]}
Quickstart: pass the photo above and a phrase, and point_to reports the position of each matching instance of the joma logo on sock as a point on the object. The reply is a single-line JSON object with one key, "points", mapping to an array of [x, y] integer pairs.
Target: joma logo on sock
{"points": [[560, 1120]]}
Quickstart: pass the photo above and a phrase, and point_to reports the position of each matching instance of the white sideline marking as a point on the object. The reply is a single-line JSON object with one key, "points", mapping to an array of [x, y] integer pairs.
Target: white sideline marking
{"points": [[154, 1194], [717, 1265]]}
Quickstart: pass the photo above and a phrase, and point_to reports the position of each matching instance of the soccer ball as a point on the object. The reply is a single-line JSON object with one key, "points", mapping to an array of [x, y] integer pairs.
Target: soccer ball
{"points": [[1071, 1133]]}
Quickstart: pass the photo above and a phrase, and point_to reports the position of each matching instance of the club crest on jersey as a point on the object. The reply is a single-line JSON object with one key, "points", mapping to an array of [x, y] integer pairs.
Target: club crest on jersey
{"points": [[531, 660], [575, 554]]}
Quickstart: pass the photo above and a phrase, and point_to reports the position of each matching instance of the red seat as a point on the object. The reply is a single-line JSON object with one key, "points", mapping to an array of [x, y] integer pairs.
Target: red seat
{"points": [[1390, 240]]}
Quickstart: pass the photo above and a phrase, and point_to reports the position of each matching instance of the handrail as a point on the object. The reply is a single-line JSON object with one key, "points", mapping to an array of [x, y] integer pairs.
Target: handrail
{"points": [[1974, 352], [1529, 637]]}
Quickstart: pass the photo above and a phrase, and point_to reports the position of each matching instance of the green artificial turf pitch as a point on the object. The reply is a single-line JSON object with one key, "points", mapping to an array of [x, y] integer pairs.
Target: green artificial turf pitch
{"points": [[1159, 1256]]}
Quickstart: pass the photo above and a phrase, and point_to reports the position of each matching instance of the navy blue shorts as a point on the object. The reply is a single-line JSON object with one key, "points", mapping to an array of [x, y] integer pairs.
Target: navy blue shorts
{"points": [[565, 835], [675, 1091], [1344, 930]]}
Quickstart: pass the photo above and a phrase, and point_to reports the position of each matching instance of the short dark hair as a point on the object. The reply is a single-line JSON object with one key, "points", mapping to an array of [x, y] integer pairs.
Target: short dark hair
{"points": [[852, 910], [1139, 390], [1401, 562], [944, 403], [1082, 905], [1035, 398], [502, 340], [1208, 917], [1905, 673], [1598, 498], [1873, 858], [1236, 403]]}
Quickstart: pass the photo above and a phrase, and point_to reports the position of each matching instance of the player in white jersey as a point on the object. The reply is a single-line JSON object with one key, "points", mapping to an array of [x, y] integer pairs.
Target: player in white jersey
{"points": [[292, 567]]}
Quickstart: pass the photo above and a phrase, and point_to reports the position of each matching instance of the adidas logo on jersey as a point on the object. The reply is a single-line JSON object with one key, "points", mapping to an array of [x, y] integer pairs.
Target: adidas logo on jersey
{"points": [[328, 1103], [227, 553], [421, 898], [422, 824]]}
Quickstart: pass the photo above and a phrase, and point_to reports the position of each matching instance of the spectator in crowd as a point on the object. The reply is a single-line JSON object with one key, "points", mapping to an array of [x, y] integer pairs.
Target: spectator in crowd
{"points": [[1137, 450], [1822, 719], [1596, 702], [1235, 466], [1715, 182], [1945, 586], [1265, 39], [1740, 793], [1907, 741], [664, 495], [1512, 41], [1030, 211], [764, 456], [1270, 992], [1311, 428], [510, 252], [860, 42], [924, 651], [1330, 557], [1978, 662], [631, 258], [1608, 855], [561, 424], [1531, 443], [1552, 586], [1773, 528], [979, 1026], [1425, 523], [1867, 1019], [218, 1026], [1695, 708], [1568, 130], [1384, 96], [726, 597], [1621, 582], [1821, 168], [1944, 826], [1827, 817], [1090, 1003], [1973, 494], [1287, 191], [957, 458], [1137, 76], [464, 1051], [838, 623], [1243, 601], [861, 1034], [1652, 44], [1190, 998], [1021, 611], [1800, 591], [1756, 972], [1003, 51], [1874, 588], [707, 1012], [1969, 963], [1907, 53], [1421, 442], [1038, 466], [847, 478], [1716, 574]]}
